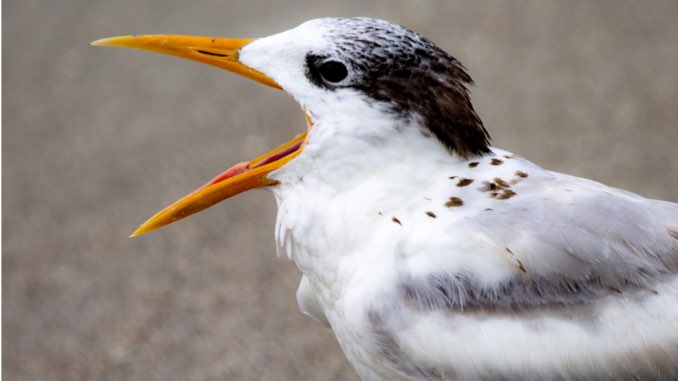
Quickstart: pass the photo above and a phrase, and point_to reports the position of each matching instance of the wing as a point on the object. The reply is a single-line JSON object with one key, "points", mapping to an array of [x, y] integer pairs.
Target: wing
{"points": [[561, 240], [570, 279]]}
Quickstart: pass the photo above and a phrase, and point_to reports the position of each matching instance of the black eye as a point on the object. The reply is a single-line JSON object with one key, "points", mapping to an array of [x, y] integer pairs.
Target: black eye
{"points": [[333, 71]]}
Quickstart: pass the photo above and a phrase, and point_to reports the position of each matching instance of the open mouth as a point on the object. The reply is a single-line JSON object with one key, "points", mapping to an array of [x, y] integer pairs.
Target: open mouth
{"points": [[223, 53]]}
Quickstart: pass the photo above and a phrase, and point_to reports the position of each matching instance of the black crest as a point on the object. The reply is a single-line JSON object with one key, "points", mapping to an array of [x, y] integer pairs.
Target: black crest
{"points": [[407, 71]]}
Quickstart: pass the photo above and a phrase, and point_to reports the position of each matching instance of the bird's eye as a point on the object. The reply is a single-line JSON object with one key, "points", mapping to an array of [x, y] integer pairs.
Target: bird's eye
{"points": [[333, 71]]}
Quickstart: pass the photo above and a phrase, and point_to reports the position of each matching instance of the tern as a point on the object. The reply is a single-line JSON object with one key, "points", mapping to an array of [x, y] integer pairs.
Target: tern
{"points": [[429, 253]]}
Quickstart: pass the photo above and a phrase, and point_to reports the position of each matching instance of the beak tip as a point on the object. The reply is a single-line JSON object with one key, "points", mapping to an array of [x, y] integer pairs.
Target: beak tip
{"points": [[153, 223], [138, 232], [100, 42], [111, 41]]}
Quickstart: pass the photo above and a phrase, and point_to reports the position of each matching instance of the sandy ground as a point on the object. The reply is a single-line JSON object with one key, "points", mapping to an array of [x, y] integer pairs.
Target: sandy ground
{"points": [[95, 140]]}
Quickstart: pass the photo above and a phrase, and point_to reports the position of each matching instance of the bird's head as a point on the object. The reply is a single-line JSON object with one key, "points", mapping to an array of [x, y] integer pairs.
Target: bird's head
{"points": [[336, 68]]}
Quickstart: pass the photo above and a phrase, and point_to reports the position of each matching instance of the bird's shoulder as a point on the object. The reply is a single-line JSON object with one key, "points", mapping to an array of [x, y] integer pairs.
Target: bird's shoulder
{"points": [[505, 216], [539, 239]]}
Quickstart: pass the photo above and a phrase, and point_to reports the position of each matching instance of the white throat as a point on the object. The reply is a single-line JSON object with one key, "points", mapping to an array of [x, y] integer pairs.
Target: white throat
{"points": [[357, 166], [353, 140]]}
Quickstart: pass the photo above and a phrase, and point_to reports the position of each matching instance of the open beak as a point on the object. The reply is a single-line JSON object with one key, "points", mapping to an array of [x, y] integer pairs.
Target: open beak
{"points": [[223, 53]]}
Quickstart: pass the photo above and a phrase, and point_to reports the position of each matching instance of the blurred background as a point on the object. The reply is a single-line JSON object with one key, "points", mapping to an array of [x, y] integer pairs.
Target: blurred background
{"points": [[95, 140]]}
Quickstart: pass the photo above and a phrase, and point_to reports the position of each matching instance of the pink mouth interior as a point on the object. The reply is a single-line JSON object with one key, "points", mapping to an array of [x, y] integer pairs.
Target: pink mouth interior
{"points": [[246, 166]]}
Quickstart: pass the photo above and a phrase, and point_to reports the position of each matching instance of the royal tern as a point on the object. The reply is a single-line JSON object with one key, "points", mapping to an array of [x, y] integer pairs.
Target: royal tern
{"points": [[430, 254]]}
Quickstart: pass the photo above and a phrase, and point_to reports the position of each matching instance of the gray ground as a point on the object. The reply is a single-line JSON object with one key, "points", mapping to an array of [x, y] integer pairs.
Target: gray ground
{"points": [[95, 140]]}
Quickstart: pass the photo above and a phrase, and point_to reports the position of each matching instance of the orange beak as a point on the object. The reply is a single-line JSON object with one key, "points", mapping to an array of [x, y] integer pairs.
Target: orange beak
{"points": [[223, 53]]}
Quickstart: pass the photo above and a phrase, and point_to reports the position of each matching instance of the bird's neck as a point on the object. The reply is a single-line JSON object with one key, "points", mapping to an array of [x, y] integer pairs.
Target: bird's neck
{"points": [[347, 148], [351, 172]]}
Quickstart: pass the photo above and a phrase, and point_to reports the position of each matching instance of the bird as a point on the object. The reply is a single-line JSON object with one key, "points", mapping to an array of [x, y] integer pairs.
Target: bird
{"points": [[429, 253]]}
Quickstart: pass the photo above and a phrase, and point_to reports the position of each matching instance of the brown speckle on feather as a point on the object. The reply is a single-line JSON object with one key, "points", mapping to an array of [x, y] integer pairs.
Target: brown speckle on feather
{"points": [[505, 194], [464, 182], [501, 183], [499, 189], [518, 262], [454, 201]]}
